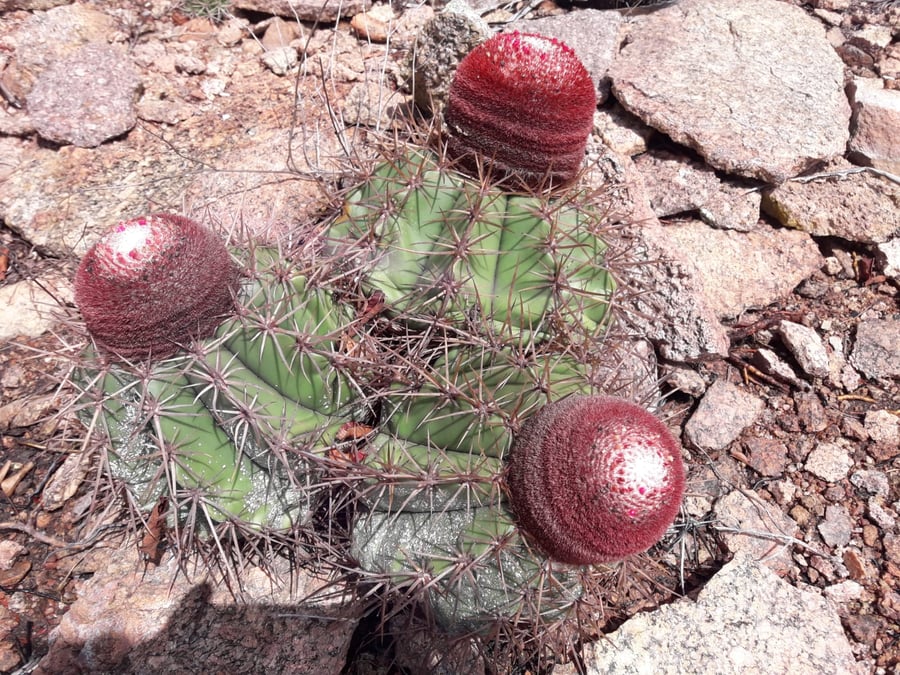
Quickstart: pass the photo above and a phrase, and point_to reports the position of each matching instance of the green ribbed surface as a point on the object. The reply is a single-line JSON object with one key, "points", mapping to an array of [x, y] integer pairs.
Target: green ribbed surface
{"points": [[205, 423], [439, 244]]}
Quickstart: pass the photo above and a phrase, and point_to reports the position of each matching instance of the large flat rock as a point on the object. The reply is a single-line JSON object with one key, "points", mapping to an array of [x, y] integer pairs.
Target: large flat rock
{"points": [[753, 86], [746, 620]]}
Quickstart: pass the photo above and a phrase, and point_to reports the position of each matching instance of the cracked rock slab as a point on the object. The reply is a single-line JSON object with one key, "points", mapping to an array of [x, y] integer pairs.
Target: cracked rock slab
{"points": [[678, 184], [134, 618], [746, 620], [741, 270], [860, 206], [86, 98], [720, 77]]}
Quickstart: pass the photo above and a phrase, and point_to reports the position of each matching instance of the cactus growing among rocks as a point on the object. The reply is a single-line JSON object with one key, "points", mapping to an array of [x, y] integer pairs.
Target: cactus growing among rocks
{"points": [[223, 425], [482, 308]]}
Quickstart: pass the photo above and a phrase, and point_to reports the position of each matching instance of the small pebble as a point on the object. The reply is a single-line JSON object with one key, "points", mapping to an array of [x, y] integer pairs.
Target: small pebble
{"points": [[883, 427], [844, 592], [837, 527], [806, 346], [830, 461]]}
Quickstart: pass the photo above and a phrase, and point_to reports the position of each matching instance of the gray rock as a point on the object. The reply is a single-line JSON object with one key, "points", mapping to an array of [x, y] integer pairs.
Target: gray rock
{"points": [[806, 346], [860, 206], [671, 309], [28, 309], [280, 60], [874, 482], [30, 5], [739, 270], [877, 349], [676, 184], [830, 461], [837, 527], [771, 364], [874, 140], [142, 619], [622, 132], [757, 528], [883, 427], [47, 37], [665, 301], [86, 98], [440, 46], [305, 10], [733, 627], [888, 256], [720, 77], [724, 412], [591, 33]]}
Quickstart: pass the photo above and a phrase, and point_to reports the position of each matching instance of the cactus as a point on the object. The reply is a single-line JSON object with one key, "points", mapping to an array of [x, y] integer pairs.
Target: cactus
{"points": [[230, 423], [439, 244], [483, 309]]}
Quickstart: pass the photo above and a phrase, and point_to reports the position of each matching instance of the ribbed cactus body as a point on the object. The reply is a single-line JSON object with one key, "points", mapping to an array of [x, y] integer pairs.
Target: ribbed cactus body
{"points": [[442, 516], [228, 424], [439, 244]]}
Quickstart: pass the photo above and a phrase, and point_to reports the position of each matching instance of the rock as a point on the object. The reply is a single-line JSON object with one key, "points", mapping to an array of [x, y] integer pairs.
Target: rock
{"points": [[830, 461], [676, 184], [771, 364], [280, 33], [45, 38], [86, 98], [876, 352], [622, 132], [262, 196], [665, 302], [685, 379], [439, 48], [142, 619], [280, 60], [9, 551], [874, 140], [746, 620], [739, 270], [859, 206], [768, 456], [27, 309], [883, 427], [837, 527], [591, 33], [874, 482], [843, 592], [374, 25], [810, 412], [887, 255], [806, 346], [724, 412], [672, 309], [140, 171], [757, 528], [29, 5], [721, 78], [323, 11]]}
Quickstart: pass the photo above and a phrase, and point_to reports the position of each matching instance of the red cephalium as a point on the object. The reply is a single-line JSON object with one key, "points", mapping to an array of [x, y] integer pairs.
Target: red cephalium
{"points": [[594, 479], [151, 284], [524, 104]]}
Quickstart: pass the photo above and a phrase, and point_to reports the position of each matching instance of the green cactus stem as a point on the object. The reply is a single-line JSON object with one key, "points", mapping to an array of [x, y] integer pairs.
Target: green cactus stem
{"points": [[437, 512], [439, 244], [235, 421]]}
